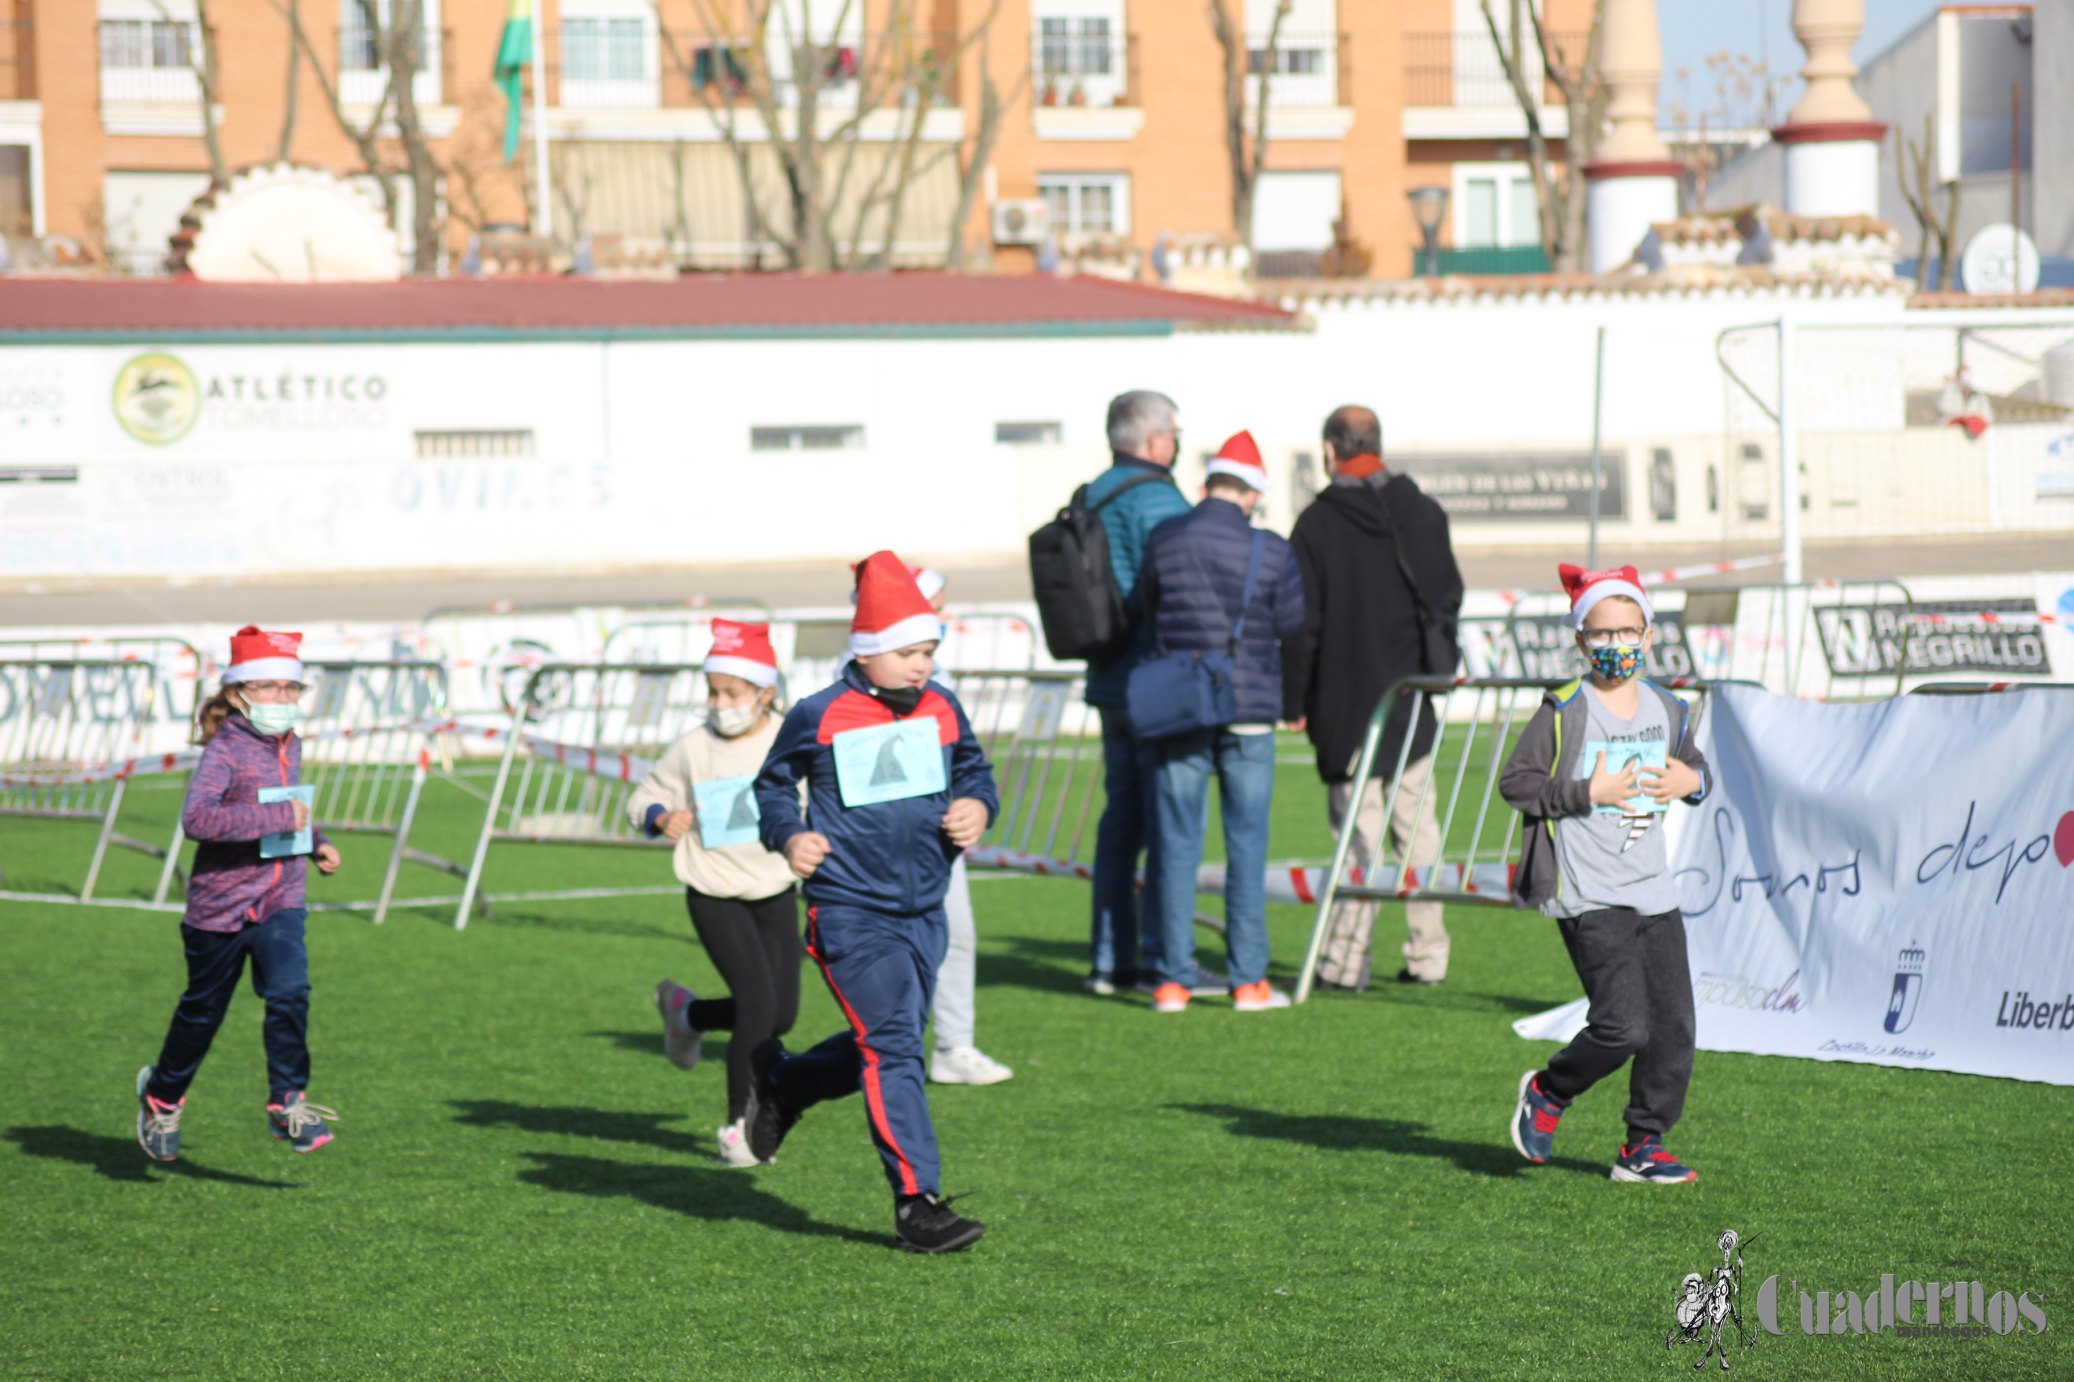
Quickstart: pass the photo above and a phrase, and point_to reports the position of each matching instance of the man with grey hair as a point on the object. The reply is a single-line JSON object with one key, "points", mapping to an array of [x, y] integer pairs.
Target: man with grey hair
{"points": [[1132, 497]]}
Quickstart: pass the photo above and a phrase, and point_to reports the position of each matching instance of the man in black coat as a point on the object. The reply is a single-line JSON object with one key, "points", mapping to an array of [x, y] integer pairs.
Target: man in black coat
{"points": [[1383, 600]]}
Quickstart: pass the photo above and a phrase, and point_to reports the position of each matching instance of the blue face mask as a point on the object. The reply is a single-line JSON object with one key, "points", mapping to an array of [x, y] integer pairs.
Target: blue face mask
{"points": [[1618, 662]]}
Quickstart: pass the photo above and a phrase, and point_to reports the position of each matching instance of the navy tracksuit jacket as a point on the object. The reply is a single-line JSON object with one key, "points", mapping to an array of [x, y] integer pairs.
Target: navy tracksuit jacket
{"points": [[875, 912]]}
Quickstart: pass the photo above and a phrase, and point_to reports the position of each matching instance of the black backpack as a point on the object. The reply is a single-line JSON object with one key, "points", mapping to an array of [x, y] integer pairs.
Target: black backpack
{"points": [[1077, 600]]}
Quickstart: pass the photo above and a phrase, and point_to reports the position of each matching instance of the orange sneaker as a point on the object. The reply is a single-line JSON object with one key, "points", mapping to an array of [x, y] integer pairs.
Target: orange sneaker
{"points": [[1170, 998], [1258, 997]]}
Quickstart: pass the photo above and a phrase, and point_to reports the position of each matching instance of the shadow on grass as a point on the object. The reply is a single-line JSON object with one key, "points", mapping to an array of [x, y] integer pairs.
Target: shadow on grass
{"points": [[610, 1125], [650, 1043], [1339, 1133], [698, 1192], [508, 914], [120, 1158], [1439, 996]]}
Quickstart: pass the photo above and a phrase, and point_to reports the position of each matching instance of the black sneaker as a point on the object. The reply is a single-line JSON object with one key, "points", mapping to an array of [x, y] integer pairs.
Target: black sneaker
{"points": [[927, 1223], [767, 1119]]}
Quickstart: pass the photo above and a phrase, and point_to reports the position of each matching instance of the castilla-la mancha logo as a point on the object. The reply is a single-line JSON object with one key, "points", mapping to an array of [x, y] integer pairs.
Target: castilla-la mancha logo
{"points": [[1908, 987], [1710, 1303]]}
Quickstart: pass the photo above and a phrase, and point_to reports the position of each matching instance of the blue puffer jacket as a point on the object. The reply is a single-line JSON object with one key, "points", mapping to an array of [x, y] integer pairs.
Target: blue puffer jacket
{"points": [[1195, 570], [1128, 521]]}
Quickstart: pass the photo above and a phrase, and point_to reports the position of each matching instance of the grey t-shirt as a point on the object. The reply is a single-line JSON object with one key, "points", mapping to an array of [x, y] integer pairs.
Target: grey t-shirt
{"points": [[1609, 858]]}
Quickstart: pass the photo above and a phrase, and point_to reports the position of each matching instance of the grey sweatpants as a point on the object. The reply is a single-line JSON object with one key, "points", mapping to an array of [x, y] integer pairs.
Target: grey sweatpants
{"points": [[1639, 985], [956, 978]]}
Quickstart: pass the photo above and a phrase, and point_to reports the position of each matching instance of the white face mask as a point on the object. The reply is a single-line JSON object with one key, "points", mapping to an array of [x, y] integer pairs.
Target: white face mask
{"points": [[271, 718], [733, 721]]}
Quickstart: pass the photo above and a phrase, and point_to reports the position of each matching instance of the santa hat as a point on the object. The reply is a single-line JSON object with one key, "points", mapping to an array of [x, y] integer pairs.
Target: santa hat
{"points": [[1587, 588], [892, 613], [1241, 458], [256, 655], [928, 580], [743, 650]]}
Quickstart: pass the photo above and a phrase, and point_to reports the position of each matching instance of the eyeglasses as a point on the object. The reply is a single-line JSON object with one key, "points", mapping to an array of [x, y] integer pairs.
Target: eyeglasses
{"points": [[1607, 638], [272, 690]]}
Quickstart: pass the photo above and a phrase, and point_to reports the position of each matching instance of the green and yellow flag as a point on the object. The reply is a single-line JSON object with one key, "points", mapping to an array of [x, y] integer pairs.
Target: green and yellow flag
{"points": [[514, 52]]}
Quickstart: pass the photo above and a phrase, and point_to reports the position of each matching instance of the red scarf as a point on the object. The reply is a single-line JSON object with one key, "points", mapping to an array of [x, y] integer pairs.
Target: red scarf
{"points": [[1360, 467]]}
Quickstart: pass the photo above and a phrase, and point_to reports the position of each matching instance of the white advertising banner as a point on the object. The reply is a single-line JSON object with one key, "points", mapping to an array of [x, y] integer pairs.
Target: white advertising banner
{"points": [[1890, 882]]}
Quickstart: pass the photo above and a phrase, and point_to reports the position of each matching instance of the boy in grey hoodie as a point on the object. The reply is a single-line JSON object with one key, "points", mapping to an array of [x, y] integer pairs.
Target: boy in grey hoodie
{"points": [[1592, 774]]}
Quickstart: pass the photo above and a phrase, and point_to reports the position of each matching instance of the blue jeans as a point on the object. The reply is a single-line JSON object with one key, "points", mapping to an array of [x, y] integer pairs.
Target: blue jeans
{"points": [[1244, 765], [281, 978], [1130, 779]]}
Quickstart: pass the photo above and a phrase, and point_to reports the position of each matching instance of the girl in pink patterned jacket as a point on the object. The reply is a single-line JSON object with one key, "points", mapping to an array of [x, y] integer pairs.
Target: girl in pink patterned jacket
{"points": [[245, 896]]}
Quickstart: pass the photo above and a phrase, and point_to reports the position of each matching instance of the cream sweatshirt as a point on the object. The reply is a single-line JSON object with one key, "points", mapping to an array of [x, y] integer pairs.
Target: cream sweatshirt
{"points": [[746, 871]]}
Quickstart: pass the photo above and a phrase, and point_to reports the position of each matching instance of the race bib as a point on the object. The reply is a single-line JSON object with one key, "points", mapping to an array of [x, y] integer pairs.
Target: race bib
{"points": [[889, 762], [1649, 755], [727, 811], [285, 844]]}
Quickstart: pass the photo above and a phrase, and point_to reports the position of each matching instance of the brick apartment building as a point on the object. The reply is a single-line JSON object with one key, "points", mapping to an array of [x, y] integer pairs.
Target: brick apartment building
{"points": [[1112, 115]]}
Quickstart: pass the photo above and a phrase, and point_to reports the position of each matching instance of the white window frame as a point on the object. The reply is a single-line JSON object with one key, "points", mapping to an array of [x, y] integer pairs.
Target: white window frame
{"points": [[1075, 186], [362, 87], [1081, 41], [1309, 39], [1504, 175], [149, 81], [811, 21], [642, 90]]}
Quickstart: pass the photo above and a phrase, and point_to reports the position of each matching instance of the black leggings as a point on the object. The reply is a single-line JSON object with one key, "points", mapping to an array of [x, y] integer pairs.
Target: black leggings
{"points": [[756, 948]]}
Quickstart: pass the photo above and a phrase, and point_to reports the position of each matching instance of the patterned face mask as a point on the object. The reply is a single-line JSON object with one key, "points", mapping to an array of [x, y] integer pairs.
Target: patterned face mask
{"points": [[1618, 662]]}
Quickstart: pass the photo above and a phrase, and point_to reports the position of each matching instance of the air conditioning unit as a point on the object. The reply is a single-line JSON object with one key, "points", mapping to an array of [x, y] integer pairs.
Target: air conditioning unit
{"points": [[1025, 221]]}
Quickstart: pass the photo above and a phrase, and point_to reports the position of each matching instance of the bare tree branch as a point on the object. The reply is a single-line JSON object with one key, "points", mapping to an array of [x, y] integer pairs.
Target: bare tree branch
{"points": [[290, 95], [201, 61]]}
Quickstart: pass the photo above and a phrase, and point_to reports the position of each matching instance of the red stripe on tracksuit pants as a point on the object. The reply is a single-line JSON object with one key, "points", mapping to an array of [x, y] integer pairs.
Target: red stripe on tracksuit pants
{"points": [[881, 968]]}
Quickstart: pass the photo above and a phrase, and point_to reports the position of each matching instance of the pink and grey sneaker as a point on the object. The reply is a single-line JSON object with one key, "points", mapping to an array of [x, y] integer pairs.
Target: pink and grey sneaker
{"points": [[298, 1122], [1647, 1161], [158, 1122], [681, 1041]]}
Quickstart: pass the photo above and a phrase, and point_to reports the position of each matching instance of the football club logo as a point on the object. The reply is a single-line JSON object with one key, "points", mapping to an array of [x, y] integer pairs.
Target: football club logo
{"points": [[1908, 988], [157, 399]]}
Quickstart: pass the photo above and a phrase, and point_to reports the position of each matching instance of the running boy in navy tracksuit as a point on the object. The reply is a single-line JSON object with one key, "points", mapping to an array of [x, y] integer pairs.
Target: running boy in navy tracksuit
{"points": [[897, 788]]}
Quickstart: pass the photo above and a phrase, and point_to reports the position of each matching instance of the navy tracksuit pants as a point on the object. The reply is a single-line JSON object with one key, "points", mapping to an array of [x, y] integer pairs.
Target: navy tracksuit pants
{"points": [[881, 967]]}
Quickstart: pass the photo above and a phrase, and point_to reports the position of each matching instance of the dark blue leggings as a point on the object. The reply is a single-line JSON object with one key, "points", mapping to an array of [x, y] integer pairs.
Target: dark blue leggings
{"points": [[281, 978]]}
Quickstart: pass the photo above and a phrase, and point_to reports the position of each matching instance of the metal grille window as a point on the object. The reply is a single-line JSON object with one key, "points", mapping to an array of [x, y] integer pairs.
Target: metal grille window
{"points": [[475, 445], [842, 437], [1088, 203], [1075, 48], [146, 43], [604, 50], [1028, 433]]}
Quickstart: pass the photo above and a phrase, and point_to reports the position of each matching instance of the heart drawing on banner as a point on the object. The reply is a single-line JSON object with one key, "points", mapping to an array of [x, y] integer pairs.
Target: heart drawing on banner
{"points": [[2063, 840]]}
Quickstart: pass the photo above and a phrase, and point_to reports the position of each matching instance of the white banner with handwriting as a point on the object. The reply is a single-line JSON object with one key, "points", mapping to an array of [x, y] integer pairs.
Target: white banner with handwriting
{"points": [[1891, 882]]}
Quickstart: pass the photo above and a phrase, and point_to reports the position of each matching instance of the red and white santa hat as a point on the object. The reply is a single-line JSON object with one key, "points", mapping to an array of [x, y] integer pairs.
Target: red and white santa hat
{"points": [[1240, 457], [743, 650], [257, 655], [928, 580], [892, 613], [1587, 588]]}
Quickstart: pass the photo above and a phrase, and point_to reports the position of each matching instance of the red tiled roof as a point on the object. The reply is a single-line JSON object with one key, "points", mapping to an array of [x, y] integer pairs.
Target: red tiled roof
{"points": [[721, 304]]}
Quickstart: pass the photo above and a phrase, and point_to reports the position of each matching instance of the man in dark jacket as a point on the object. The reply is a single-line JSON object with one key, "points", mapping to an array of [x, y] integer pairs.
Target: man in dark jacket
{"points": [[1194, 591], [1384, 597], [1136, 493]]}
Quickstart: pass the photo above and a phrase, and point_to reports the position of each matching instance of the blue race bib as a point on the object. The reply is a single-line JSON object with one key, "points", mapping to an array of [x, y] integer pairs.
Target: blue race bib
{"points": [[889, 762], [727, 811], [284, 843]]}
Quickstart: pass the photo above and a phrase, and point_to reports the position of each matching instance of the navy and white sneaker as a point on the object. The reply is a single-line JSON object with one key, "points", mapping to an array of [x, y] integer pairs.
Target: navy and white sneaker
{"points": [[1647, 1161], [158, 1122], [1534, 1119]]}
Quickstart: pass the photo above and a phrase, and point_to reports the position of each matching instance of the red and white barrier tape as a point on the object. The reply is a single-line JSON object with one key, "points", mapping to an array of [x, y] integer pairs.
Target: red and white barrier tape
{"points": [[151, 765], [1671, 575], [621, 767]]}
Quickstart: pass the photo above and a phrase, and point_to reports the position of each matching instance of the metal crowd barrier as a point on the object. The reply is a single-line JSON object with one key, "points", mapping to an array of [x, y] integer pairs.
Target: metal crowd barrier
{"points": [[1818, 639], [183, 673], [1476, 721], [72, 733], [582, 736]]}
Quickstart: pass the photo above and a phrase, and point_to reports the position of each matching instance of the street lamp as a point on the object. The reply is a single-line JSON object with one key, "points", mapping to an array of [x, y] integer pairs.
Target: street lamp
{"points": [[1429, 209]]}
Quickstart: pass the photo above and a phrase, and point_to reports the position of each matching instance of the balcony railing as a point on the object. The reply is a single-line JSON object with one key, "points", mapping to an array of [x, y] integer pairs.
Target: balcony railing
{"points": [[1308, 70], [1485, 259], [148, 61], [1087, 64], [17, 60], [363, 71], [693, 69], [1464, 69]]}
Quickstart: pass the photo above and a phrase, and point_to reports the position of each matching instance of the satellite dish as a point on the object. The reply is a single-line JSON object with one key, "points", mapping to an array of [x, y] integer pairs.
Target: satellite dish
{"points": [[2000, 259]]}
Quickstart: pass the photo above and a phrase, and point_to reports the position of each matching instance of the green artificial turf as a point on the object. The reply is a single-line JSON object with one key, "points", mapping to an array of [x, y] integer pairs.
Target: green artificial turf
{"points": [[523, 1187]]}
